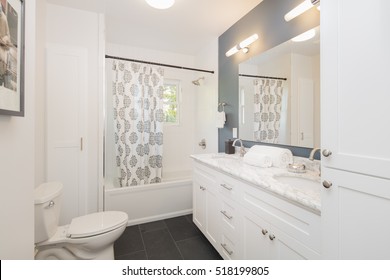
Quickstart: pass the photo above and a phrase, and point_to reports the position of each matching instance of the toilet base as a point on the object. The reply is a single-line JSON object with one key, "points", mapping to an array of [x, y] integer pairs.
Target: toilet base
{"points": [[63, 253]]}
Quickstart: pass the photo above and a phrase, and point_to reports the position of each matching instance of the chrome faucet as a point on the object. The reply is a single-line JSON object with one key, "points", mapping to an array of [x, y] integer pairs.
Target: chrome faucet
{"points": [[311, 157], [242, 149]]}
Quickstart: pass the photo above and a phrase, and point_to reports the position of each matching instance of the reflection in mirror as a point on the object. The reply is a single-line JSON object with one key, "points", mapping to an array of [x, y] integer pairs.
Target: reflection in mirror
{"points": [[279, 94]]}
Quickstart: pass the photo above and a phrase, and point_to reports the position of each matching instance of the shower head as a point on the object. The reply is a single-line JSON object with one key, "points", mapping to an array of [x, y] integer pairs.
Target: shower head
{"points": [[197, 81]]}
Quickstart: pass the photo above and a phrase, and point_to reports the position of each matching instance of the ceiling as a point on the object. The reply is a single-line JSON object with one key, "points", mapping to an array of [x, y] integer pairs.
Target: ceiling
{"points": [[185, 28]]}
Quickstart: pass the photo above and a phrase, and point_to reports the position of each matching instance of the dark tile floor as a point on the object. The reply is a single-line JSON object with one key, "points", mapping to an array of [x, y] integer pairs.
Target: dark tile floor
{"points": [[171, 239]]}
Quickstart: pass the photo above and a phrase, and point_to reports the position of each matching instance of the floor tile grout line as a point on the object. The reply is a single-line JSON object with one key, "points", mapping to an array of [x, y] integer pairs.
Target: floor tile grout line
{"points": [[131, 253], [189, 238], [174, 241], [143, 243]]}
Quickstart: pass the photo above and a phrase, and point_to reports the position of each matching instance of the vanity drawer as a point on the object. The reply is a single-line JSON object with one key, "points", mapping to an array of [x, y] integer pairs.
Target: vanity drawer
{"points": [[228, 247], [230, 216], [291, 219], [229, 187]]}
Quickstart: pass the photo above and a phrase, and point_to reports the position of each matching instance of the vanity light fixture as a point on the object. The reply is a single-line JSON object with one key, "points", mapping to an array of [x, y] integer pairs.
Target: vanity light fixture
{"points": [[160, 4], [300, 9], [305, 36], [243, 45]]}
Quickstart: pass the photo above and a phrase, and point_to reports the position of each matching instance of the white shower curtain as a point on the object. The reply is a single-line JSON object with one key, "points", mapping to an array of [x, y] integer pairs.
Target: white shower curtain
{"points": [[139, 117], [267, 110]]}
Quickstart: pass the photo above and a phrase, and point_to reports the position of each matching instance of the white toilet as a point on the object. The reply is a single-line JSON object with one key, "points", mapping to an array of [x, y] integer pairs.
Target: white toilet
{"points": [[89, 237]]}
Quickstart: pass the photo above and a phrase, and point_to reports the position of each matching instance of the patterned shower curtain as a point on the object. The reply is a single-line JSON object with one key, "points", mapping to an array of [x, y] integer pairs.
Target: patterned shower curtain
{"points": [[267, 110], [139, 117]]}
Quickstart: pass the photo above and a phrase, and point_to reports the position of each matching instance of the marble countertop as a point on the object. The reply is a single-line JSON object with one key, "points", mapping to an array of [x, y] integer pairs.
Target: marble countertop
{"points": [[267, 178]]}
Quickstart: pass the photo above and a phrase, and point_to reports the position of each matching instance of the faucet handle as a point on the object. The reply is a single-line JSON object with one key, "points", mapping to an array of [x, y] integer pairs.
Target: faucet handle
{"points": [[242, 151]]}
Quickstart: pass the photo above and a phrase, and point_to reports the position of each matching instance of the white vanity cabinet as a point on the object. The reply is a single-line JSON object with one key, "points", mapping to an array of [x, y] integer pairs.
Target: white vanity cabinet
{"points": [[263, 241], [251, 223], [206, 204], [354, 120]]}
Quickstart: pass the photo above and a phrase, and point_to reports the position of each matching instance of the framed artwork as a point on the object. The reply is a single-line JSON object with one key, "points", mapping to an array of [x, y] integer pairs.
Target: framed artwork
{"points": [[12, 57]]}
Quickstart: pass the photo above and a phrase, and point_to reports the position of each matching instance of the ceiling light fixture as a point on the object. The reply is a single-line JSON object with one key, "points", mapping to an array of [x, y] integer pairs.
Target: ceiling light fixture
{"points": [[300, 9], [243, 45], [305, 36], [160, 4]]}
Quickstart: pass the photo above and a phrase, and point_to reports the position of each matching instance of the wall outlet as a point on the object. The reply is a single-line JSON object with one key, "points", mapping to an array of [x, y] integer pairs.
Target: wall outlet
{"points": [[234, 132]]}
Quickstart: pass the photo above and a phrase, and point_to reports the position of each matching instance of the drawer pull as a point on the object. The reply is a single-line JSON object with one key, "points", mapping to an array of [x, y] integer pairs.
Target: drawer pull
{"points": [[226, 215], [202, 188], [271, 236], [230, 252], [226, 187], [264, 231]]}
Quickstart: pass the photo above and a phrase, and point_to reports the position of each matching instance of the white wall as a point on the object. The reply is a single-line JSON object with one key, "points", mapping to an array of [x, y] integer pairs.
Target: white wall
{"points": [[40, 96], [80, 29], [178, 139], [206, 97], [304, 67], [247, 89], [17, 160]]}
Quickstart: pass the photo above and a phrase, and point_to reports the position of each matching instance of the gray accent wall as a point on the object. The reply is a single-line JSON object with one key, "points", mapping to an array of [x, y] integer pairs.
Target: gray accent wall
{"points": [[267, 20]]}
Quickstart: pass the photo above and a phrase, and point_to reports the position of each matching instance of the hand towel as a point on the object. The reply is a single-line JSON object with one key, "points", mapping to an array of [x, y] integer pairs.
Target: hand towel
{"points": [[221, 119], [280, 157], [258, 160]]}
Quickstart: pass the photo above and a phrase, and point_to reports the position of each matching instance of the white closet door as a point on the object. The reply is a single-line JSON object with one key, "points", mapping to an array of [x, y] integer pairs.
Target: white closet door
{"points": [[354, 213], [66, 111], [355, 44]]}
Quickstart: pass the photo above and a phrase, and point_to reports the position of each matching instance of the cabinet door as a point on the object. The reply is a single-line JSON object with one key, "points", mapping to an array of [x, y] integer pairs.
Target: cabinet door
{"points": [[255, 237], [212, 216], [199, 204], [284, 247], [355, 43], [355, 216]]}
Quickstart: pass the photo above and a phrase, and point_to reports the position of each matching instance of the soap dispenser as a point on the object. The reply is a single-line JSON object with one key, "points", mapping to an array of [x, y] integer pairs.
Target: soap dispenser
{"points": [[229, 148]]}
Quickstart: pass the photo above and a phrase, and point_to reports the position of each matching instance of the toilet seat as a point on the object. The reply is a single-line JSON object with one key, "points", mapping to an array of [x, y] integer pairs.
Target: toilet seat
{"points": [[96, 224]]}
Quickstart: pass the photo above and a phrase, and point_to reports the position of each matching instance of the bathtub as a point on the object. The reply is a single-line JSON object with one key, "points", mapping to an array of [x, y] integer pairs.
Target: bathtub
{"points": [[147, 203]]}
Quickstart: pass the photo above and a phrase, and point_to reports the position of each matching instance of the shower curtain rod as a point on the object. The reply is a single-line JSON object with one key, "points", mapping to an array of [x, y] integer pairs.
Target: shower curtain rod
{"points": [[263, 77], [159, 64]]}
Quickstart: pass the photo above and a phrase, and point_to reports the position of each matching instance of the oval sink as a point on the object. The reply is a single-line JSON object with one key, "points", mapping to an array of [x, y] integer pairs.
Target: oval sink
{"points": [[300, 183]]}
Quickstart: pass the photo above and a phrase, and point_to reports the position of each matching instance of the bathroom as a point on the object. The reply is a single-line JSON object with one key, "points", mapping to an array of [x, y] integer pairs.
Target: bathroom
{"points": [[358, 159]]}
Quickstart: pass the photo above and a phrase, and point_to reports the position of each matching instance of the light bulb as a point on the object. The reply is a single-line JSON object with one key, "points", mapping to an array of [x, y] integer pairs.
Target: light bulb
{"points": [[300, 9], [304, 36], [160, 4]]}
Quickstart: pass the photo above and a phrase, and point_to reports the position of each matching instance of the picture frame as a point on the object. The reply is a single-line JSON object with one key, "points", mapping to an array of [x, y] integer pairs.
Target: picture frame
{"points": [[12, 15]]}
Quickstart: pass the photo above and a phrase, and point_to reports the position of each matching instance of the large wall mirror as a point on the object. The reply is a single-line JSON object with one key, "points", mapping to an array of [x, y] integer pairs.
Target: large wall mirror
{"points": [[279, 94]]}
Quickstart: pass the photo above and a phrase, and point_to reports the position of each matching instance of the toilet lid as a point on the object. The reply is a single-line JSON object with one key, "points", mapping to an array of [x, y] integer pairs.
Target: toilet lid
{"points": [[96, 223]]}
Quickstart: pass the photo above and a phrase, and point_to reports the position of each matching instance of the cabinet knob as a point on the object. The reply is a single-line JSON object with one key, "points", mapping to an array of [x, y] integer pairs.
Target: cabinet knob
{"points": [[271, 236], [264, 231], [202, 188], [326, 153], [327, 184]]}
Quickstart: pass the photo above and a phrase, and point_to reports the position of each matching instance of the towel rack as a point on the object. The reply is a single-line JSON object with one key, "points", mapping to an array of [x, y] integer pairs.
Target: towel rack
{"points": [[223, 104]]}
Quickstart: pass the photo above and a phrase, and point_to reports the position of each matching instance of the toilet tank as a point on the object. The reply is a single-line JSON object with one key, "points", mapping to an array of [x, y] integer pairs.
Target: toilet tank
{"points": [[47, 205]]}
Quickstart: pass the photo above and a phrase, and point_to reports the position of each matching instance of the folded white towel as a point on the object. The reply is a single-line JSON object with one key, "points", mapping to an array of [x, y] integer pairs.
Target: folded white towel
{"points": [[280, 157], [221, 119], [256, 159]]}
